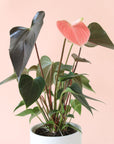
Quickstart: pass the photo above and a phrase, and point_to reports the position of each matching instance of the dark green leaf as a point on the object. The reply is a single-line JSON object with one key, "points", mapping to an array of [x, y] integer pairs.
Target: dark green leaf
{"points": [[77, 93], [76, 105], [30, 88], [12, 77], [59, 92], [70, 115], [63, 67], [79, 59], [92, 98], [22, 41], [98, 37], [19, 105], [85, 82], [67, 76]]}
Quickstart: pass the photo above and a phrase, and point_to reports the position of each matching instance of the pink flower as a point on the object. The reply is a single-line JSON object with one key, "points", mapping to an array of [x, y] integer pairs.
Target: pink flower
{"points": [[77, 33]]}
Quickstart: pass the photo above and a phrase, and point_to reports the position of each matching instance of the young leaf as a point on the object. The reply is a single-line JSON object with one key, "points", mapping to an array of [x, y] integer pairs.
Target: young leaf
{"points": [[98, 37], [30, 88], [19, 105], [85, 82], [22, 41], [79, 59], [46, 64], [35, 111], [76, 105], [12, 77], [70, 116], [67, 76], [33, 68], [25, 112]]}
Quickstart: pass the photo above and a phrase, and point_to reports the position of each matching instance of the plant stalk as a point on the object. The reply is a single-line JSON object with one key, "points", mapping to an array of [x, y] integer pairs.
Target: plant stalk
{"points": [[42, 72], [75, 65], [69, 54], [55, 99], [43, 113]]}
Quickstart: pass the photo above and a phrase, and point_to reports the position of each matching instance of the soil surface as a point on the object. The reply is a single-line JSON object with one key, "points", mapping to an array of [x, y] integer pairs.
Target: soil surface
{"points": [[44, 132]]}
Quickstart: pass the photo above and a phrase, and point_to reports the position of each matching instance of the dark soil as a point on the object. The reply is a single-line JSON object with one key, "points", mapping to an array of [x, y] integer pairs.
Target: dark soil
{"points": [[44, 132]]}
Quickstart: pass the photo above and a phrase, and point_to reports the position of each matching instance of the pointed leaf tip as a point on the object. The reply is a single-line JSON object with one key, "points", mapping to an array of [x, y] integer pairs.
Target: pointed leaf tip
{"points": [[98, 37], [22, 41]]}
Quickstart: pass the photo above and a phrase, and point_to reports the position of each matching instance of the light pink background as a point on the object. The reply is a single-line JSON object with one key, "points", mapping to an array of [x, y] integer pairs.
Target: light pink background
{"points": [[97, 129]]}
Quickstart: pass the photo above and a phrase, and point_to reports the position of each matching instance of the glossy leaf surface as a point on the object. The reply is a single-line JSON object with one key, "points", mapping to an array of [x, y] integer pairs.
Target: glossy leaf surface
{"points": [[98, 37], [30, 88], [22, 41]]}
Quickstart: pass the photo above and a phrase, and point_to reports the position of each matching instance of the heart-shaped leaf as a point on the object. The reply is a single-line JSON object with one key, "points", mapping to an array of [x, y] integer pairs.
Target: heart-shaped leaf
{"points": [[79, 59], [77, 33], [22, 41], [30, 88], [98, 37]]}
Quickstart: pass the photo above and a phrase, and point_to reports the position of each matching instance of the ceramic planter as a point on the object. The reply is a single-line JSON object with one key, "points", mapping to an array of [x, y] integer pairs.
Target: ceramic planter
{"points": [[69, 139]]}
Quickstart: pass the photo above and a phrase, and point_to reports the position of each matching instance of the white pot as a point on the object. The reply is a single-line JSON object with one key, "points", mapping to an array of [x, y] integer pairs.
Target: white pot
{"points": [[68, 139]]}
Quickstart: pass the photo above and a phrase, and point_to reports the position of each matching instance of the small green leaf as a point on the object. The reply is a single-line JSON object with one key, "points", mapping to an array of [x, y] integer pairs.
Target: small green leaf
{"points": [[12, 77], [79, 59], [30, 88], [19, 105], [98, 37], [25, 112], [85, 82], [35, 111], [70, 116], [67, 76], [33, 68], [76, 105]]}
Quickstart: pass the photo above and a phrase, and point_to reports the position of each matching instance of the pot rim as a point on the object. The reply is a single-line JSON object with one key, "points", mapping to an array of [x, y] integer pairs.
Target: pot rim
{"points": [[32, 130]]}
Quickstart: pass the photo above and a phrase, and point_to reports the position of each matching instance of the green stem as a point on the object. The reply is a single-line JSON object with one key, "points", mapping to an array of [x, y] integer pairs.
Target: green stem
{"points": [[69, 54], [55, 99], [43, 113]]}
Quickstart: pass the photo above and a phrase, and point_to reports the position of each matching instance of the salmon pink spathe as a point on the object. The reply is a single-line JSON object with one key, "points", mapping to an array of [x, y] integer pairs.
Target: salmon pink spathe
{"points": [[77, 33]]}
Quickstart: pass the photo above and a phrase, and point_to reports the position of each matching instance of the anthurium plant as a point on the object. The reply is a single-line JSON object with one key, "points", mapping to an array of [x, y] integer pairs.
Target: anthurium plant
{"points": [[57, 91]]}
